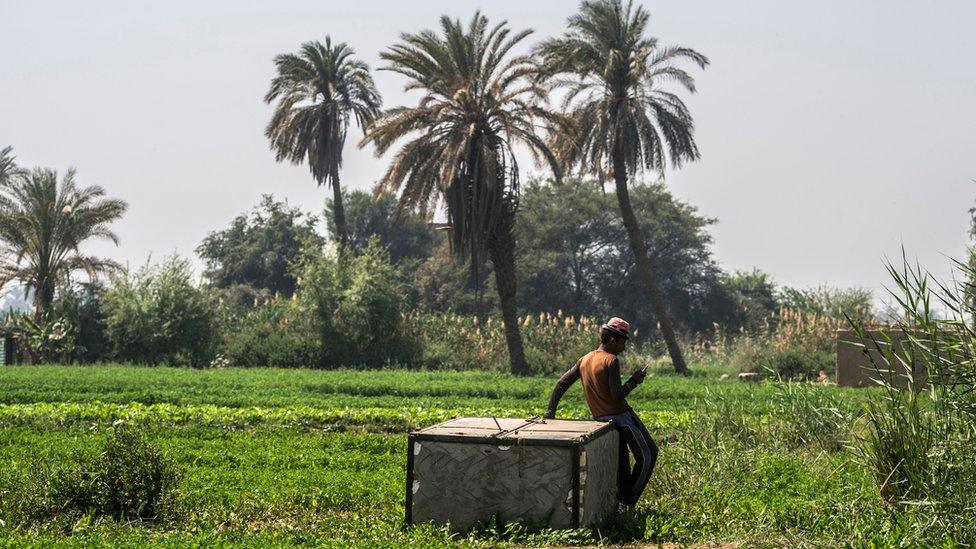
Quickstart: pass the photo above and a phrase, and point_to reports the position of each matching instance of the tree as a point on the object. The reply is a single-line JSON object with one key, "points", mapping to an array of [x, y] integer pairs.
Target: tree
{"points": [[43, 225], [7, 165], [259, 249], [755, 295], [570, 258], [624, 121], [563, 240], [478, 102], [370, 215], [318, 90]]}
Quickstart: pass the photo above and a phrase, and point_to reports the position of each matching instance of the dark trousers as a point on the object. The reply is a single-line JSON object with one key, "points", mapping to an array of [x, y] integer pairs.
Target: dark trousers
{"points": [[636, 441]]}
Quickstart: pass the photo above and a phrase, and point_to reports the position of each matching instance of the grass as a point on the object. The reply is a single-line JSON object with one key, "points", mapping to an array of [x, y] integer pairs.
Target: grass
{"points": [[301, 457]]}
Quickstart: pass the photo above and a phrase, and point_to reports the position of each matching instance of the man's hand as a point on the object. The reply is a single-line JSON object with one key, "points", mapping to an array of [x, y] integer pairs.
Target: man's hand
{"points": [[638, 376]]}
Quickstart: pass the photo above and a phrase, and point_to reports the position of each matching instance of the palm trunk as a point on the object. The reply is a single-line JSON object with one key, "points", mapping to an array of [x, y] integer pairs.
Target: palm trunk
{"points": [[338, 211], [43, 297], [501, 250], [639, 247]]}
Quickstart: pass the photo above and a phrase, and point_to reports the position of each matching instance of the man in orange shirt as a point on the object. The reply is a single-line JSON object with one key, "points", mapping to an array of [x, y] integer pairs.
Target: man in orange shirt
{"points": [[607, 399]]}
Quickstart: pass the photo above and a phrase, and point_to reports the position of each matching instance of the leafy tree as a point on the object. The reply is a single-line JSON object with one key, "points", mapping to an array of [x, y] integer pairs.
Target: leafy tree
{"points": [[441, 284], [755, 295], [318, 91], [625, 121], [371, 215], [42, 227], [563, 241], [259, 248], [478, 102], [680, 245]]}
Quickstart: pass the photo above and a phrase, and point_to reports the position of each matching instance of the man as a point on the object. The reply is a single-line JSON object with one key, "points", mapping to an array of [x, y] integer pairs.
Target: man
{"points": [[607, 399]]}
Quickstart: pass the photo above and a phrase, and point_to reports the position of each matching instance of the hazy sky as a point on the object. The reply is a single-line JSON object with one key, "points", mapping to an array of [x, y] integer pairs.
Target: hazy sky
{"points": [[831, 132]]}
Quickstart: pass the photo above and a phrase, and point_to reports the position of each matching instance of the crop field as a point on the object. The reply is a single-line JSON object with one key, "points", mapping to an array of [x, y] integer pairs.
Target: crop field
{"points": [[310, 457]]}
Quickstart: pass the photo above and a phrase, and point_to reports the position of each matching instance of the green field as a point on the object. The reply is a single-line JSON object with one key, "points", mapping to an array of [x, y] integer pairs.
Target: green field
{"points": [[292, 457]]}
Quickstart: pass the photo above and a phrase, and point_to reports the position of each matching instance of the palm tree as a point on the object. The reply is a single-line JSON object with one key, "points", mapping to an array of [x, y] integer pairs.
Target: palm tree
{"points": [[625, 121], [42, 227], [478, 102], [7, 165], [318, 90]]}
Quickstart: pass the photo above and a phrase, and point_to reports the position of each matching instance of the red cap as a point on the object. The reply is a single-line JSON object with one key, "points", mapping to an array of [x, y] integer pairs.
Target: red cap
{"points": [[618, 326]]}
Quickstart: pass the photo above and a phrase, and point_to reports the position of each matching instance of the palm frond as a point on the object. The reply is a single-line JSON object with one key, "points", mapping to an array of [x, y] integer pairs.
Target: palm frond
{"points": [[614, 77], [319, 90], [456, 144], [44, 221]]}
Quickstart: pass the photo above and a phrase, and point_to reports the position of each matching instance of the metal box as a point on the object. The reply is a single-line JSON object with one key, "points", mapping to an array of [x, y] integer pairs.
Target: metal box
{"points": [[547, 473]]}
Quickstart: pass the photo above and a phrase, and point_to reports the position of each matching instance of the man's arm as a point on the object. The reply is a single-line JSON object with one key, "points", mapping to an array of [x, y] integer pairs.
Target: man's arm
{"points": [[620, 391], [564, 383]]}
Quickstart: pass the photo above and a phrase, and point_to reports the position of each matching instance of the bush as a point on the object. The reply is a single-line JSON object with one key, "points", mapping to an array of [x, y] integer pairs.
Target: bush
{"points": [[82, 307], [127, 479], [158, 315], [275, 333], [356, 303], [796, 364], [47, 340]]}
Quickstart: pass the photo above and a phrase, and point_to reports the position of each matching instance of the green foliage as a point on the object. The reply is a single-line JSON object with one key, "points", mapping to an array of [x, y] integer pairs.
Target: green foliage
{"points": [[467, 73], [815, 415], [8, 164], [617, 78], [755, 299], [127, 479], [855, 303], [919, 439], [442, 284], [158, 315], [46, 340], [319, 90], [43, 222], [797, 363], [299, 457], [357, 305], [82, 307], [553, 342], [571, 259], [260, 248], [275, 333], [372, 216]]}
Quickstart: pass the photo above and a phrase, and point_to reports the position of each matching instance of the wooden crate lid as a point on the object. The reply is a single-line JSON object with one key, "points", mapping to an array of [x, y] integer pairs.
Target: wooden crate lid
{"points": [[536, 431]]}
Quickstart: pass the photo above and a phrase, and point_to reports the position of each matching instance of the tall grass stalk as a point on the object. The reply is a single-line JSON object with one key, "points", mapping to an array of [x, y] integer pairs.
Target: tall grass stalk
{"points": [[919, 441]]}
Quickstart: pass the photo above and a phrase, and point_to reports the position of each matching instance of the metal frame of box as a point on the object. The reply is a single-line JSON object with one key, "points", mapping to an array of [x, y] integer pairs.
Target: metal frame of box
{"points": [[576, 448]]}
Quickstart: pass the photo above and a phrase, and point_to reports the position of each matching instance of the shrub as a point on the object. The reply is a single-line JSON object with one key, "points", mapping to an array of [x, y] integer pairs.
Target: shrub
{"points": [[275, 333], [797, 363], [158, 315], [356, 303], [82, 307], [127, 479], [47, 340]]}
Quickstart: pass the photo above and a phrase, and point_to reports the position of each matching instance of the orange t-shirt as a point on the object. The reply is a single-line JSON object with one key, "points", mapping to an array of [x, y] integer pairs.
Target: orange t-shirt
{"points": [[595, 374]]}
